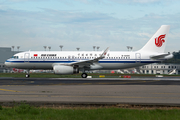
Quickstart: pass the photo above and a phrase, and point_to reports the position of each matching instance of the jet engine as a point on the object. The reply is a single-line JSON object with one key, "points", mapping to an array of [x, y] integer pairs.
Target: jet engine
{"points": [[63, 70]]}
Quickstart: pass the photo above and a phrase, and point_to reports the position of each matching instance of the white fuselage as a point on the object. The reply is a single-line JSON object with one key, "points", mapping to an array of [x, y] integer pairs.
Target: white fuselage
{"points": [[47, 59]]}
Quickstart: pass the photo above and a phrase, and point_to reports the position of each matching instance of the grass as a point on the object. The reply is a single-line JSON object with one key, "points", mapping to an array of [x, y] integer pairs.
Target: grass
{"points": [[38, 75], [94, 75], [27, 112]]}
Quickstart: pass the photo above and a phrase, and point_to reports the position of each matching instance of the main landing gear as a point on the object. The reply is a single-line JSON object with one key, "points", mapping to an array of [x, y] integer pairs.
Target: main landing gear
{"points": [[84, 75]]}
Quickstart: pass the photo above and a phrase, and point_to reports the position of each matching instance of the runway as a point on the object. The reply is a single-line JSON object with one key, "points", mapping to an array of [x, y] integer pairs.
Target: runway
{"points": [[163, 91], [92, 81]]}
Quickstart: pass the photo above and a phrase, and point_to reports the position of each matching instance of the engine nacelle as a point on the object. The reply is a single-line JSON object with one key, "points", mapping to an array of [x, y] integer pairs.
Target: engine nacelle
{"points": [[64, 70]]}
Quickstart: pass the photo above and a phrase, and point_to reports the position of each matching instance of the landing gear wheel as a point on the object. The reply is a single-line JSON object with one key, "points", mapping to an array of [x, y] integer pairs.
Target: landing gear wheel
{"points": [[27, 73], [27, 76], [84, 75]]}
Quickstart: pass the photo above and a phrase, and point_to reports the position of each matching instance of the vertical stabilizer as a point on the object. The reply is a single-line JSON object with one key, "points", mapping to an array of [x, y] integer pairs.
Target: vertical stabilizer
{"points": [[157, 43]]}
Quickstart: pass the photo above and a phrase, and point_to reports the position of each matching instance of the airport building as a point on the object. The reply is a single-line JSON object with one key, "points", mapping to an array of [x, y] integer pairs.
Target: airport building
{"points": [[5, 53], [160, 69]]}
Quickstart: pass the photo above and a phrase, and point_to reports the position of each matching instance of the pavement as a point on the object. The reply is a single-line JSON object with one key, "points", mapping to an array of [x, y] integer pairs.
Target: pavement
{"points": [[146, 91]]}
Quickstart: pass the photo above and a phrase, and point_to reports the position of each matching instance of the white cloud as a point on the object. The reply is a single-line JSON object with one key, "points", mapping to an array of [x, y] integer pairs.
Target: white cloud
{"points": [[33, 30], [142, 1]]}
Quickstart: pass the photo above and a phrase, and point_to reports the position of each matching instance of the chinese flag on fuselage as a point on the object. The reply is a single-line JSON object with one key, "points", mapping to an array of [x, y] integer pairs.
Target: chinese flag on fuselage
{"points": [[35, 55]]}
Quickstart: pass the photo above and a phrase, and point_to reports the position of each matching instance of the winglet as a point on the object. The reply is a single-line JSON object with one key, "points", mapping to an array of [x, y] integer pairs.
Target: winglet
{"points": [[90, 62], [104, 53]]}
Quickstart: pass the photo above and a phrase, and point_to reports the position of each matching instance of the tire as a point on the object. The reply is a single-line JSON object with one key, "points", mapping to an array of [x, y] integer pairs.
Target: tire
{"points": [[84, 75], [27, 76]]}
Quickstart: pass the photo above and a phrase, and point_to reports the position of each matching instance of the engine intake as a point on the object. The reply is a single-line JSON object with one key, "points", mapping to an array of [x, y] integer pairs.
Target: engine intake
{"points": [[64, 70]]}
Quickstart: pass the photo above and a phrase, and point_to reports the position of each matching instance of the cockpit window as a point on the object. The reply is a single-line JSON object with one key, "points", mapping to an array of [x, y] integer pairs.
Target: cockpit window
{"points": [[15, 57]]}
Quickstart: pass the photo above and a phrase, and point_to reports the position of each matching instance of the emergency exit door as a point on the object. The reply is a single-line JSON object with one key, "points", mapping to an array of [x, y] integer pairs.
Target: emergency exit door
{"points": [[138, 57], [26, 57]]}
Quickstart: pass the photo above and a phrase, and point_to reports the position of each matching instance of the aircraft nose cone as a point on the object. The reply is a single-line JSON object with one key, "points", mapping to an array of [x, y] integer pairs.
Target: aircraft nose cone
{"points": [[7, 64]]}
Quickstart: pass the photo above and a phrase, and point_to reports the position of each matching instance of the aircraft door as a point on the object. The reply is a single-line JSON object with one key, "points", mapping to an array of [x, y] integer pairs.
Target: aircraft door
{"points": [[138, 57], [69, 58], [26, 57], [72, 58]]}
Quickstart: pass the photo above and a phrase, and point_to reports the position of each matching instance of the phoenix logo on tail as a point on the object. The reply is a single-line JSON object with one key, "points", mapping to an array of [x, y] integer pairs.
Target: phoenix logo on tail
{"points": [[159, 41]]}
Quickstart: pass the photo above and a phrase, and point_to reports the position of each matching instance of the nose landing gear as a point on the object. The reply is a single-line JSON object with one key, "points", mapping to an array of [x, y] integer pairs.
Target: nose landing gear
{"points": [[27, 74]]}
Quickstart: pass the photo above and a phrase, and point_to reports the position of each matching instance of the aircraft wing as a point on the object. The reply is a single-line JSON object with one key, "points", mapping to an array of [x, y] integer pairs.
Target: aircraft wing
{"points": [[90, 62], [160, 56]]}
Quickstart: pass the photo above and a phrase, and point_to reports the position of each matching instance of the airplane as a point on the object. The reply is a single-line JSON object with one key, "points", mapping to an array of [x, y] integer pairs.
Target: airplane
{"points": [[71, 62]]}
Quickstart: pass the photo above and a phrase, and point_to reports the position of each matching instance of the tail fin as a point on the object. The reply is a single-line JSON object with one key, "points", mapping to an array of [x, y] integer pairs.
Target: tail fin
{"points": [[157, 43]]}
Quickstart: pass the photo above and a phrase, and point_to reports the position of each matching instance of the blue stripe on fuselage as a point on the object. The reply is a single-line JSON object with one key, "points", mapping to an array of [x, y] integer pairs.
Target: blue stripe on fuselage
{"points": [[130, 61]]}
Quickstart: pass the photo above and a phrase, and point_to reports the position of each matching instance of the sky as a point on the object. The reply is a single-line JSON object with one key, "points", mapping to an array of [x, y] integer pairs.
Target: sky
{"points": [[32, 24]]}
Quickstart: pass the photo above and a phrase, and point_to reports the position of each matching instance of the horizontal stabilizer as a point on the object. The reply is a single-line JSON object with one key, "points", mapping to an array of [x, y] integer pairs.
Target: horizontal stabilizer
{"points": [[161, 56]]}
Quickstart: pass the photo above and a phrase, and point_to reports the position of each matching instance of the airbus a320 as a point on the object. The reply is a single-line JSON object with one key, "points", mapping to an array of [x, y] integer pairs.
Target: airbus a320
{"points": [[71, 62]]}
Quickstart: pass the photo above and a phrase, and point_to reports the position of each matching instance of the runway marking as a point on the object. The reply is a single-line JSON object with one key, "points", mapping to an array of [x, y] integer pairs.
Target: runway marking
{"points": [[10, 90]]}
